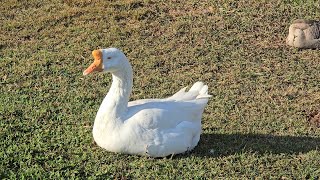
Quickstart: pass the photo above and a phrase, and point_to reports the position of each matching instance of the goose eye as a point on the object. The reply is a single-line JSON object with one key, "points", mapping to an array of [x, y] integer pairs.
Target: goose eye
{"points": [[108, 57]]}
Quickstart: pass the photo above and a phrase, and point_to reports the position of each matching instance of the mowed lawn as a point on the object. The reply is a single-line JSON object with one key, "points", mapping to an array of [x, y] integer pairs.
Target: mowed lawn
{"points": [[255, 125]]}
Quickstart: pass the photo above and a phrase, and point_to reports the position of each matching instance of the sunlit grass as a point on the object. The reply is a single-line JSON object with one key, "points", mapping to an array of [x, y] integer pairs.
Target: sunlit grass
{"points": [[254, 126]]}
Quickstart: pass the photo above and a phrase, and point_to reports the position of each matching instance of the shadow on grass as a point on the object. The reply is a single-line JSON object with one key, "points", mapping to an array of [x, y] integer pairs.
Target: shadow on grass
{"points": [[216, 145]]}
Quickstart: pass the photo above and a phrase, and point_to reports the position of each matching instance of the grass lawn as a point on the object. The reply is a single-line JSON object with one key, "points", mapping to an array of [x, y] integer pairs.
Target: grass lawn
{"points": [[255, 124]]}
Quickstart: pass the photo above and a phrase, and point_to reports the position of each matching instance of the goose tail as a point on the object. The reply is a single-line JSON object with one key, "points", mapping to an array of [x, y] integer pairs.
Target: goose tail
{"points": [[198, 91]]}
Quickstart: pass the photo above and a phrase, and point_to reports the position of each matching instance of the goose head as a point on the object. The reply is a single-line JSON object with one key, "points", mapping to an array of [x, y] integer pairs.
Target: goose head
{"points": [[108, 60]]}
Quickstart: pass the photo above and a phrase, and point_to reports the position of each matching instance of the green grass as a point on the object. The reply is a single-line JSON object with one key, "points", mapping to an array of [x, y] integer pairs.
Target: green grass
{"points": [[254, 126]]}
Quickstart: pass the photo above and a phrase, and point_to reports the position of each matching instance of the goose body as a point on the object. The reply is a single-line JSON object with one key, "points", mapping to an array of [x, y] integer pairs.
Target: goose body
{"points": [[151, 127], [304, 34]]}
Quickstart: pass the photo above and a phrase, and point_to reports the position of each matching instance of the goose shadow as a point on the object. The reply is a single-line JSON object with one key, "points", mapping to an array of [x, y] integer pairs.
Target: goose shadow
{"points": [[217, 145]]}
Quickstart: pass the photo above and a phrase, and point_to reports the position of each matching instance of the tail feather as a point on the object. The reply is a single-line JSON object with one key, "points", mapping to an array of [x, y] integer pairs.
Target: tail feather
{"points": [[179, 94], [197, 91], [197, 86], [204, 92]]}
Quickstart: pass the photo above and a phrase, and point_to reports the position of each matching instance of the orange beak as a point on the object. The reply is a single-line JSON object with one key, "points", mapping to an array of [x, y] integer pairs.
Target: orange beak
{"points": [[97, 64]]}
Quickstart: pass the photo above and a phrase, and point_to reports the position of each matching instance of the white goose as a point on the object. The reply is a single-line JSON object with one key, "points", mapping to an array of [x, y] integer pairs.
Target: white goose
{"points": [[304, 34], [151, 127]]}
